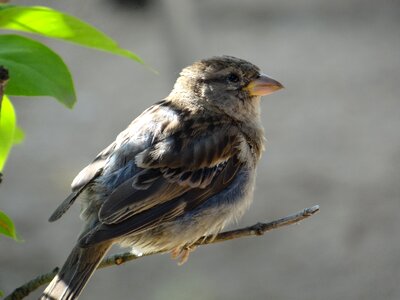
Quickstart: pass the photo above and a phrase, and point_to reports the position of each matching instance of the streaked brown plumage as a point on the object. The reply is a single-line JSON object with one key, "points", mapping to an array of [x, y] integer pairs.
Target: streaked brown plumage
{"points": [[181, 170]]}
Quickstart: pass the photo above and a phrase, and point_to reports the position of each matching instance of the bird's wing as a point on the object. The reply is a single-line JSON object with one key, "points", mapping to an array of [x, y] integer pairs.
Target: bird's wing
{"points": [[177, 174], [82, 180]]}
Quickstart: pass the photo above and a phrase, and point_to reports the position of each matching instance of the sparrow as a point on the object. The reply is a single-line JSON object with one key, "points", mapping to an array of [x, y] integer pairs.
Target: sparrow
{"points": [[180, 171]]}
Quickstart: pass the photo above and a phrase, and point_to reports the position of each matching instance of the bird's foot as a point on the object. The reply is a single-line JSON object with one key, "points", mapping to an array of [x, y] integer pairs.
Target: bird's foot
{"points": [[182, 253]]}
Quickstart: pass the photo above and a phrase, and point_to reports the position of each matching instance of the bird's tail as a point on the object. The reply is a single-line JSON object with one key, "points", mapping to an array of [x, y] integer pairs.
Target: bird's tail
{"points": [[75, 273]]}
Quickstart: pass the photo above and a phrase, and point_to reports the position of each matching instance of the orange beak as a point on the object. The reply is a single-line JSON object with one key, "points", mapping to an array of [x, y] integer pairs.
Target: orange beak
{"points": [[263, 85]]}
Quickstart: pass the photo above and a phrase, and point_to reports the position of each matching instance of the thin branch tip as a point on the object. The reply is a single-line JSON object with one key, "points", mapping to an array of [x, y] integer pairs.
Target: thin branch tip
{"points": [[312, 210]]}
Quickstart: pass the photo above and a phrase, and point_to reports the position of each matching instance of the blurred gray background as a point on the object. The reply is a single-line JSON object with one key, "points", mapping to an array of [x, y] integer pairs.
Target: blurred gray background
{"points": [[333, 139]]}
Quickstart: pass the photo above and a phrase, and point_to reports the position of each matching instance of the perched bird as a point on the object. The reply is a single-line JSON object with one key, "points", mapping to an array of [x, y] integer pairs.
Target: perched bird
{"points": [[181, 170]]}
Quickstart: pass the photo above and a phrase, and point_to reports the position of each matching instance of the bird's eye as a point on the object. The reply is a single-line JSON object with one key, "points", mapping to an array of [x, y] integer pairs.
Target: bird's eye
{"points": [[232, 77]]}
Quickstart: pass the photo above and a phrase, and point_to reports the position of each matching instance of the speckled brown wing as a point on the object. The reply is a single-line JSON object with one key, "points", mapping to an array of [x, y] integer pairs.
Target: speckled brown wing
{"points": [[147, 219], [186, 159], [178, 174]]}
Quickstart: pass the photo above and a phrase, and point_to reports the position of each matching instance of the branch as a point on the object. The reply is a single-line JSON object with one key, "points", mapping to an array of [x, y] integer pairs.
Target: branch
{"points": [[118, 259]]}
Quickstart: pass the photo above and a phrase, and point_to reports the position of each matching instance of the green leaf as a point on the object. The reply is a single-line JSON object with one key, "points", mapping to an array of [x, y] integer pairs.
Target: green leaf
{"points": [[7, 226], [1, 293], [7, 129], [54, 24], [35, 70]]}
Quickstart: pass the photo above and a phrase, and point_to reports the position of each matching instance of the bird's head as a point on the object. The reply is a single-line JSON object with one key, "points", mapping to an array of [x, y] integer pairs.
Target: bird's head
{"points": [[229, 84]]}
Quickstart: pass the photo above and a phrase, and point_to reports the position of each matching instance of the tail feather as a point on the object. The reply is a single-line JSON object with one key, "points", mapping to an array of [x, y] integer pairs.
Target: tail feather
{"points": [[77, 270]]}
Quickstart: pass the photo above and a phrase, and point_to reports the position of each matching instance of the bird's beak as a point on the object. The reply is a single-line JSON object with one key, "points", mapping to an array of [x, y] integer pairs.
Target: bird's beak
{"points": [[263, 85]]}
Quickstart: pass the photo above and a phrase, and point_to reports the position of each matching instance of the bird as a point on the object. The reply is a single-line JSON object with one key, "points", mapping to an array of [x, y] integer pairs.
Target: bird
{"points": [[182, 170]]}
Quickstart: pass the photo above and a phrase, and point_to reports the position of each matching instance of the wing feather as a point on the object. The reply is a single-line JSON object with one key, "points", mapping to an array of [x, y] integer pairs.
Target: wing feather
{"points": [[166, 211], [171, 174]]}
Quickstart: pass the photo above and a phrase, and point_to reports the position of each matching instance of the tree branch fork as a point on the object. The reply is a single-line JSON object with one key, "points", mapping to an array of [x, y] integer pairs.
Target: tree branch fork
{"points": [[258, 229]]}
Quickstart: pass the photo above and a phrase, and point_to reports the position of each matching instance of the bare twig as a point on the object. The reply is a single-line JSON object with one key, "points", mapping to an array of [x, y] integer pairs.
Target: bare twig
{"points": [[30, 286], [118, 259]]}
